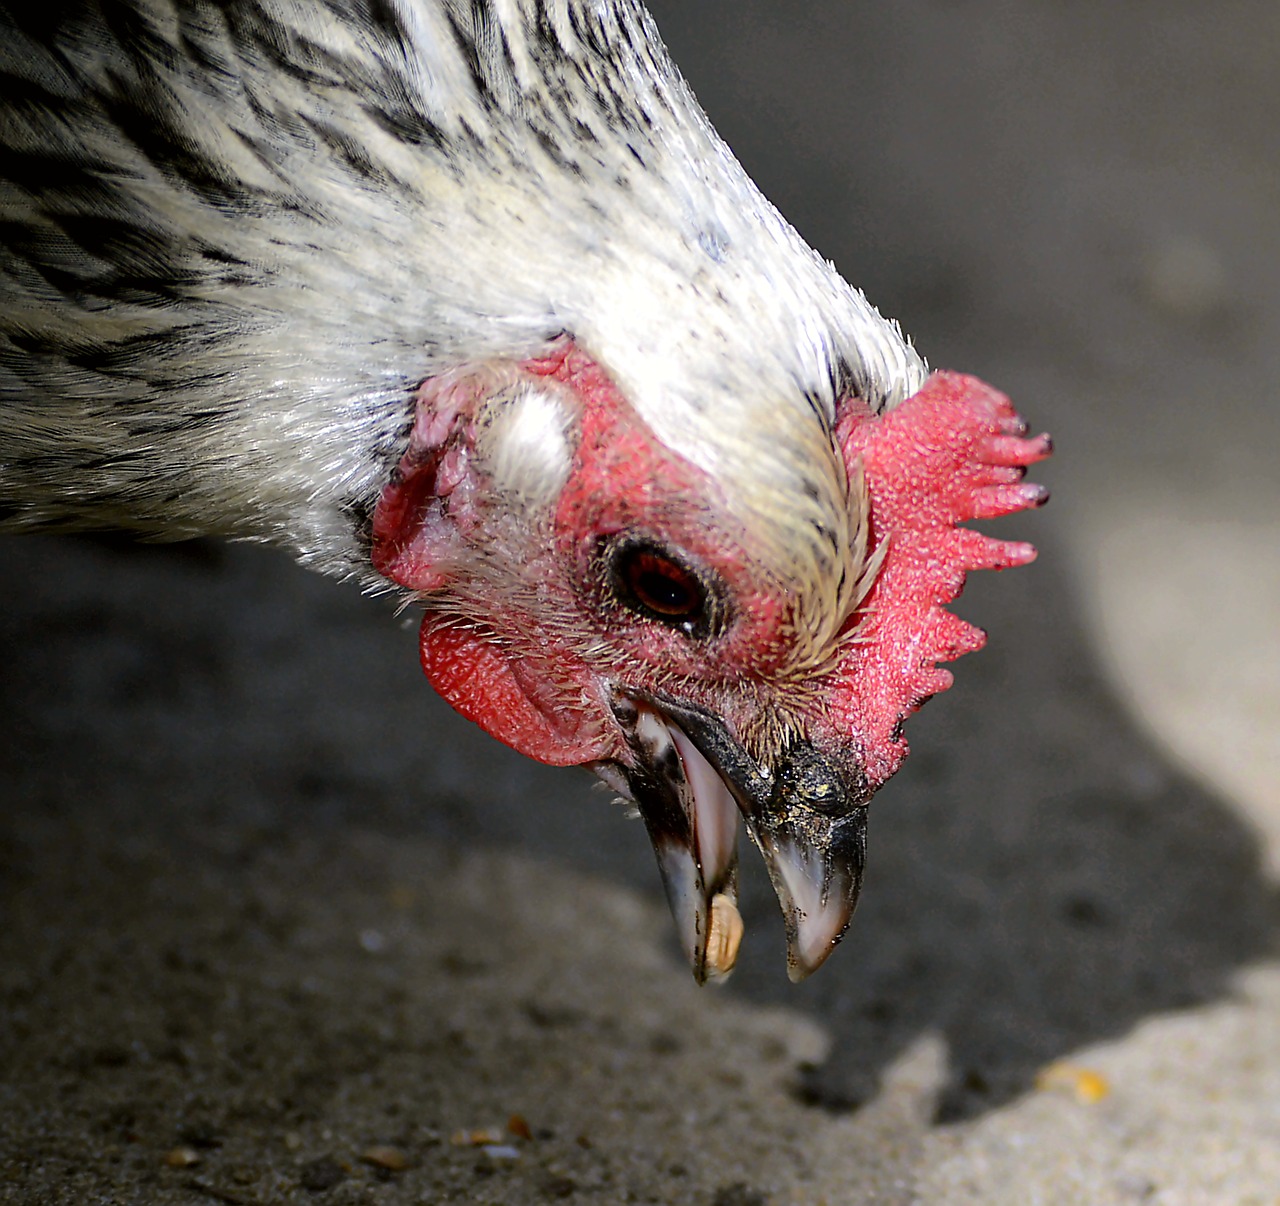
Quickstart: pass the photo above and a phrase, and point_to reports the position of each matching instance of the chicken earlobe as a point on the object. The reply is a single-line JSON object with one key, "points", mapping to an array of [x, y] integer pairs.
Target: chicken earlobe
{"points": [[458, 523], [485, 440]]}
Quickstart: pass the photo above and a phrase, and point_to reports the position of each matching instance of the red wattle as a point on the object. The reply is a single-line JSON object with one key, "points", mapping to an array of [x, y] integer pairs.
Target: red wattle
{"points": [[469, 670]]}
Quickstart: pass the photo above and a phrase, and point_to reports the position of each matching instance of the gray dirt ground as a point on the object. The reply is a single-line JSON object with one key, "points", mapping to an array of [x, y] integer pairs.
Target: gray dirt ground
{"points": [[265, 905]]}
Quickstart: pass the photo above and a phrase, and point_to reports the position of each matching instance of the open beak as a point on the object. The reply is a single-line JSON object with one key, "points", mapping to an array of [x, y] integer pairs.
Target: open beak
{"points": [[693, 823], [691, 780]]}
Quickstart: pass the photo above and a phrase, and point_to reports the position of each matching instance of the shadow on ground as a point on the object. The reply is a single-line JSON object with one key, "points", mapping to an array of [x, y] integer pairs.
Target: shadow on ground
{"points": [[1039, 878]]}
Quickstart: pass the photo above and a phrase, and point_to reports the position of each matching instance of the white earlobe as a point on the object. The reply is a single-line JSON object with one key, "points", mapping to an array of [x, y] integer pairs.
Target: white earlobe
{"points": [[525, 440]]}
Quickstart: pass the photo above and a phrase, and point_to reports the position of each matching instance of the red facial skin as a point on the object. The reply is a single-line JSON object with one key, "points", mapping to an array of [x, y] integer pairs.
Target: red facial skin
{"points": [[541, 683]]}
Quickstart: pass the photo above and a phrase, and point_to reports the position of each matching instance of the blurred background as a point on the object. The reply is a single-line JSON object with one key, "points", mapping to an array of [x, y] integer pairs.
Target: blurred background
{"points": [[268, 903]]}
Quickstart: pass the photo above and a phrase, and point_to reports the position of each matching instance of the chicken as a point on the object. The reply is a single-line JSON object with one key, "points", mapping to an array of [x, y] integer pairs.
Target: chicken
{"points": [[469, 300]]}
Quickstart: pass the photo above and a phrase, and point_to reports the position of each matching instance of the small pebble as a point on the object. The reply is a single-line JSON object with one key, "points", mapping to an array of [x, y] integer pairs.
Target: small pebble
{"points": [[181, 1157], [390, 1158], [1088, 1086], [322, 1174], [501, 1151], [476, 1138], [1134, 1186]]}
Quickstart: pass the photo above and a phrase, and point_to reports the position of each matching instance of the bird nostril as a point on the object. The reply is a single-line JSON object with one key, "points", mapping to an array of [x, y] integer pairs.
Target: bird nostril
{"points": [[808, 778]]}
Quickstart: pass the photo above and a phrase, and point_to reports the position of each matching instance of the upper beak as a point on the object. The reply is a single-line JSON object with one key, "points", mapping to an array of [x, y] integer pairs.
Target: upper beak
{"points": [[691, 778]]}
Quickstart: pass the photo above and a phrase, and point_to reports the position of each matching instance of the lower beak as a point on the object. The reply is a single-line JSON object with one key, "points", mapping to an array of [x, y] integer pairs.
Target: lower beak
{"points": [[693, 823], [691, 780]]}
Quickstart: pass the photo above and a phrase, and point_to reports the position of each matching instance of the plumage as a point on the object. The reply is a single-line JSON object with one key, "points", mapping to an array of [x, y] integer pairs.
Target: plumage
{"points": [[467, 298]]}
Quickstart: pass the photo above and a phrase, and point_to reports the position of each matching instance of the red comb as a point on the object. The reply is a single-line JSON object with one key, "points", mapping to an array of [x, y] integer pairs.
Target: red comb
{"points": [[955, 451]]}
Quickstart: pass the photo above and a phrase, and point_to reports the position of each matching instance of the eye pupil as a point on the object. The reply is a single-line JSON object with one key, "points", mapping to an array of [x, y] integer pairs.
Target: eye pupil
{"points": [[663, 588]]}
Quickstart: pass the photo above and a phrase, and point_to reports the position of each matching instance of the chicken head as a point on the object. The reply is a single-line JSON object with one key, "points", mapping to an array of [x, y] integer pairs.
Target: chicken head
{"points": [[591, 598]]}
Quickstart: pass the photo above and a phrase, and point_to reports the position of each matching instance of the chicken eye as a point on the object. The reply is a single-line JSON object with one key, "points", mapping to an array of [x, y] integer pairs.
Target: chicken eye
{"points": [[662, 586], [654, 584]]}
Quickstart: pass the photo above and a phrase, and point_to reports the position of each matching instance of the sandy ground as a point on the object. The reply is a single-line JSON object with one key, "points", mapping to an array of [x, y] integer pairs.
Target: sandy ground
{"points": [[274, 925]]}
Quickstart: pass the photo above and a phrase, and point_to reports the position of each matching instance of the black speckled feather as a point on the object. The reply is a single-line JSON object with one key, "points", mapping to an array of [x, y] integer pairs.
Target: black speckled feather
{"points": [[238, 235]]}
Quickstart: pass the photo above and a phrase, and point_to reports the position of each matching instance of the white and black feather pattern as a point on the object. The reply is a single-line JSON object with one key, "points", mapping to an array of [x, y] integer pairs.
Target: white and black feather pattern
{"points": [[238, 235]]}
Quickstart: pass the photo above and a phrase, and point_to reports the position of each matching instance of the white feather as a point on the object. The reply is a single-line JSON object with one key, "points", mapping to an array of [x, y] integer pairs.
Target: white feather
{"points": [[351, 201]]}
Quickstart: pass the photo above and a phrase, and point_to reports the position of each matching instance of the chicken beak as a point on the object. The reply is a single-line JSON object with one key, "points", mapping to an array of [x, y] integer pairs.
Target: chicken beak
{"points": [[812, 831], [691, 779], [693, 823]]}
